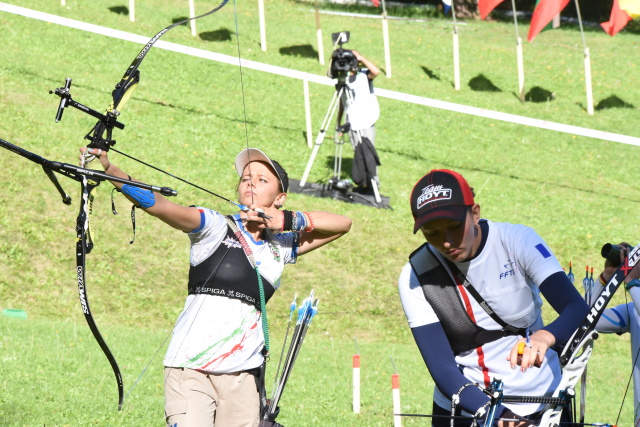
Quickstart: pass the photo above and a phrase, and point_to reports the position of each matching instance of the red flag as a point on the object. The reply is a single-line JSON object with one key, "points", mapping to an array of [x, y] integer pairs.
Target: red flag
{"points": [[376, 3], [544, 13], [486, 6], [618, 19]]}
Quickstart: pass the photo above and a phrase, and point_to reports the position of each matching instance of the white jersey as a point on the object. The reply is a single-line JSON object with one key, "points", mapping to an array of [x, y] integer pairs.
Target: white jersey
{"points": [[621, 319], [361, 104], [215, 333], [506, 273]]}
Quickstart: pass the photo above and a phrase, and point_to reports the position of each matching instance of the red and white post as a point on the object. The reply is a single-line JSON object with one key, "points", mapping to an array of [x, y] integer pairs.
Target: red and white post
{"points": [[395, 390], [356, 383]]}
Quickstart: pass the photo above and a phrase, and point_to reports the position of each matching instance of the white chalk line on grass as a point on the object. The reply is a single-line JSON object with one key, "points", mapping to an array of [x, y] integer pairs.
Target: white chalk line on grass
{"points": [[399, 96]]}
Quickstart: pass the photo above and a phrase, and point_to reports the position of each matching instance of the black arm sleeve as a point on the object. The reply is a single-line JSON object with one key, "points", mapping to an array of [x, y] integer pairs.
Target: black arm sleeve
{"points": [[567, 302], [437, 354]]}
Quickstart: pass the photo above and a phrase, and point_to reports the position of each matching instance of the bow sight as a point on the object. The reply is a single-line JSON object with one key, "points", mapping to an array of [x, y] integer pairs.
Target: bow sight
{"points": [[106, 122], [612, 253]]}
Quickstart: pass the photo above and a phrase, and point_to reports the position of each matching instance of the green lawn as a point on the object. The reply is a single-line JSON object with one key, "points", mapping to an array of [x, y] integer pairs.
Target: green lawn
{"points": [[188, 116]]}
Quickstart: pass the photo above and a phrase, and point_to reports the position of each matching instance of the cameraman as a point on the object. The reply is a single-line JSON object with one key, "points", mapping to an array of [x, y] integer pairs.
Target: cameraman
{"points": [[623, 318], [361, 105]]}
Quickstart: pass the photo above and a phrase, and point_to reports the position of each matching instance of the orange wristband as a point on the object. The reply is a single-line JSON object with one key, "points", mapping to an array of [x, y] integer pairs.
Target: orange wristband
{"points": [[309, 228]]}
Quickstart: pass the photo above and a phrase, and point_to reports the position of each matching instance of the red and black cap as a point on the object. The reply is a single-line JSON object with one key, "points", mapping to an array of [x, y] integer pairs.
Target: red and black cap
{"points": [[441, 193]]}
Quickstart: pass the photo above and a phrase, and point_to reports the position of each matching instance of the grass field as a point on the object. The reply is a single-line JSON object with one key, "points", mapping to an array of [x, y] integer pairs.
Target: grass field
{"points": [[188, 116]]}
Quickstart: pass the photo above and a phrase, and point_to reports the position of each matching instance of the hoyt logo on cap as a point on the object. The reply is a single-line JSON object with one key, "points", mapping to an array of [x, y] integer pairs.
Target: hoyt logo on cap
{"points": [[433, 193], [441, 193]]}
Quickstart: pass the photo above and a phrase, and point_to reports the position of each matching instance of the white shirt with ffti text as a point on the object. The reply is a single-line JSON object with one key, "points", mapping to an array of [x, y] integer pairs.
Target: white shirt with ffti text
{"points": [[507, 273]]}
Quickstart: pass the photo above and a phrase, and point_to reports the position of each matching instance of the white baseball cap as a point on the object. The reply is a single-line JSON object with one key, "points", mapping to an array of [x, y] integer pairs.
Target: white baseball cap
{"points": [[254, 155]]}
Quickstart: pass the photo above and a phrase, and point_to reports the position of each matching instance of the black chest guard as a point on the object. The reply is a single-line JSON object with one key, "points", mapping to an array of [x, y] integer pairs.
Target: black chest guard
{"points": [[228, 272], [440, 292]]}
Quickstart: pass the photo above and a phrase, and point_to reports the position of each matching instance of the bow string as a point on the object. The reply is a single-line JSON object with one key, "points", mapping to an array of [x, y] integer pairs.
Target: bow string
{"points": [[101, 137]]}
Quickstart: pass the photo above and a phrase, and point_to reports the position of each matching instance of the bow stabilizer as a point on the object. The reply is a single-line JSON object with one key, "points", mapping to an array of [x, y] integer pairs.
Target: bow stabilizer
{"points": [[101, 137], [89, 179]]}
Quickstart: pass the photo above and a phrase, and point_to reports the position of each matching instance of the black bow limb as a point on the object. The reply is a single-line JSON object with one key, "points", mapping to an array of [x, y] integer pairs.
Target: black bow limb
{"points": [[89, 179], [101, 137]]}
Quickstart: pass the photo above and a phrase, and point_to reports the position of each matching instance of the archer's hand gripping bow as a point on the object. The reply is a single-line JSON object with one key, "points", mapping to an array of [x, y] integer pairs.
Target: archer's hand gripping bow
{"points": [[101, 137]]}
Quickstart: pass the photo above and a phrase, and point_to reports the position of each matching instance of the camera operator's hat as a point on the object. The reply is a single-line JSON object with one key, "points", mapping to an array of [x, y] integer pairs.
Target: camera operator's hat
{"points": [[441, 193], [254, 155]]}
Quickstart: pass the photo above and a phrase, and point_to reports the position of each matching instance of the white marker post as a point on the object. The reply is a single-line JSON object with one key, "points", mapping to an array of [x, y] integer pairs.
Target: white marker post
{"points": [[132, 10], [319, 37], [385, 38], [307, 112], [456, 50], [587, 80], [395, 390], [263, 30], [519, 55], [456, 61], [356, 383], [192, 14], [587, 64]]}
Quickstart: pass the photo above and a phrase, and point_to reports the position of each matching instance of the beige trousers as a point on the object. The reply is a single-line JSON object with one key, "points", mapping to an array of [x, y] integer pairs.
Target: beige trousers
{"points": [[196, 399]]}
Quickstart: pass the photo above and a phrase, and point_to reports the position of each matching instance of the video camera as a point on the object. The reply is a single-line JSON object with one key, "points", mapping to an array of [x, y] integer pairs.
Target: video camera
{"points": [[342, 60]]}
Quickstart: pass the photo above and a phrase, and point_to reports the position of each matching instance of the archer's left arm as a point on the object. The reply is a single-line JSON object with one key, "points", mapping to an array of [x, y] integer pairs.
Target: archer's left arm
{"points": [[327, 227], [567, 302]]}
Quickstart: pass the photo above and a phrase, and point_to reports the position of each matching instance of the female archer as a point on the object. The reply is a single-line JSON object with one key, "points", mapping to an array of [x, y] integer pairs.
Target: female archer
{"points": [[213, 361]]}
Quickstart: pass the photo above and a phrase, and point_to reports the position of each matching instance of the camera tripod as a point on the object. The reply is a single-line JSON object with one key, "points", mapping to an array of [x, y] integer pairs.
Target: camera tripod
{"points": [[335, 182]]}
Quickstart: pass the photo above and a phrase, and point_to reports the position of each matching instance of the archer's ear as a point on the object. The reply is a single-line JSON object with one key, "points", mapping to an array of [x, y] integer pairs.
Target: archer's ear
{"points": [[280, 199], [475, 211]]}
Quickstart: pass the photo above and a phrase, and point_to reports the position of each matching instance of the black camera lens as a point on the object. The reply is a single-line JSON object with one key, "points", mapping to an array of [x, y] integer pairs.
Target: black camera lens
{"points": [[342, 61], [612, 253]]}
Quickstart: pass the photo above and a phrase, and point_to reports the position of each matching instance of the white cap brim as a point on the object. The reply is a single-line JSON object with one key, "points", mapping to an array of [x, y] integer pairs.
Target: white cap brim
{"points": [[254, 155], [251, 155]]}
